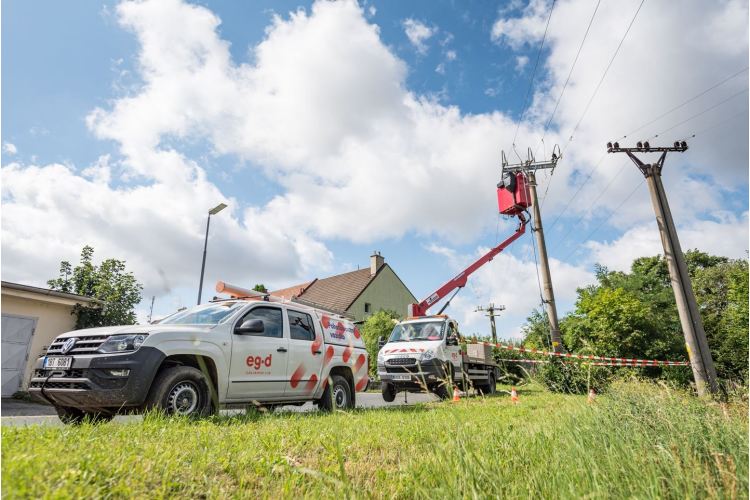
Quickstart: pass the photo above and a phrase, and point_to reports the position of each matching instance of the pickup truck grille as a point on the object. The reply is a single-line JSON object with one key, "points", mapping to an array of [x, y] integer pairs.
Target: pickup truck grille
{"points": [[84, 345], [402, 361]]}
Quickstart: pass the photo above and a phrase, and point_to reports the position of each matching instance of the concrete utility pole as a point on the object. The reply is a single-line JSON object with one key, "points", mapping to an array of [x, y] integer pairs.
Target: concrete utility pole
{"points": [[687, 307], [529, 168], [491, 314]]}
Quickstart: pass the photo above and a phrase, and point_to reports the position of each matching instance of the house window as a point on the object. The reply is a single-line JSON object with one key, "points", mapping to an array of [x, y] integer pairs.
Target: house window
{"points": [[368, 308]]}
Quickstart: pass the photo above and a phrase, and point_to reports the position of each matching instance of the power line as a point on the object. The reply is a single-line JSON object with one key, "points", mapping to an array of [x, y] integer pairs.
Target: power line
{"points": [[714, 126], [590, 206], [686, 102], [568, 79], [604, 75], [695, 116], [531, 83]]}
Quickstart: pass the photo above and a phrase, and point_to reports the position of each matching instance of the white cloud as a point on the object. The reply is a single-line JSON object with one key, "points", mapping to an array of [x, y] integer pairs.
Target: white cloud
{"points": [[372, 10], [529, 28], [727, 235], [451, 55], [324, 112], [418, 33], [10, 148], [521, 62]]}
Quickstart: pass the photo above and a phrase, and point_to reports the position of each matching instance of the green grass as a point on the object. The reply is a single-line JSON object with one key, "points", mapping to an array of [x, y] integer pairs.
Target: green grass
{"points": [[638, 441]]}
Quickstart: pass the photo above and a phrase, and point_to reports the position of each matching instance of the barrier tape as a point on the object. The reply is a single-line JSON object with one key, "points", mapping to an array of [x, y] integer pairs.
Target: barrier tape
{"points": [[593, 363], [581, 356]]}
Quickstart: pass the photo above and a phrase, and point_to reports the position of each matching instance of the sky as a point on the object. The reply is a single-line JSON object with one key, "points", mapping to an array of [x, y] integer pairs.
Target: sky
{"points": [[335, 129]]}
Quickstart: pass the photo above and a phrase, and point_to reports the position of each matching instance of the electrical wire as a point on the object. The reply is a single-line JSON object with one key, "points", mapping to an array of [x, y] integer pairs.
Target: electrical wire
{"points": [[714, 126], [603, 76], [591, 206], [681, 105], [568, 79], [695, 116], [531, 83]]}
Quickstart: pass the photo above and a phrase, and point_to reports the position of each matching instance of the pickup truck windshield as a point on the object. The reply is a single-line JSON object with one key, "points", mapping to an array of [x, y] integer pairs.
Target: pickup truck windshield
{"points": [[410, 332], [207, 314]]}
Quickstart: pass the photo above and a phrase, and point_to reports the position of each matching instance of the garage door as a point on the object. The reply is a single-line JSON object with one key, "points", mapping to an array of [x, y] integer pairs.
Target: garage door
{"points": [[16, 340]]}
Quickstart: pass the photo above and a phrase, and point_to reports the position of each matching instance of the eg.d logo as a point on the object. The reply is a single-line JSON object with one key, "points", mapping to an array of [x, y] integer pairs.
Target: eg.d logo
{"points": [[256, 362]]}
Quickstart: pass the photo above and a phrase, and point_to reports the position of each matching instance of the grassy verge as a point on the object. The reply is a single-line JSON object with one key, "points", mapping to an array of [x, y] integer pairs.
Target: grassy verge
{"points": [[638, 441]]}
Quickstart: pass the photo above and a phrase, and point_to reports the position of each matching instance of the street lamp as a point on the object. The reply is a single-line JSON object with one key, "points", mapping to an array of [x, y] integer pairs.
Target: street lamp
{"points": [[218, 208]]}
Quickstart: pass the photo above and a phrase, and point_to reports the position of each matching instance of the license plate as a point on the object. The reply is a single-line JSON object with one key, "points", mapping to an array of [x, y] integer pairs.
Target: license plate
{"points": [[58, 363], [402, 377]]}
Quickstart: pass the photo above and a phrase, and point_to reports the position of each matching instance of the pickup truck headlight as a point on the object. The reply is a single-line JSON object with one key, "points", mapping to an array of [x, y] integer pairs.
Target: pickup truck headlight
{"points": [[427, 356], [122, 343], [381, 359]]}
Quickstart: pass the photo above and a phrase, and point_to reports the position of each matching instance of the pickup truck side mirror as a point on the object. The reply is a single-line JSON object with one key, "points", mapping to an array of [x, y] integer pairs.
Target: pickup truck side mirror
{"points": [[381, 342], [452, 341], [249, 327]]}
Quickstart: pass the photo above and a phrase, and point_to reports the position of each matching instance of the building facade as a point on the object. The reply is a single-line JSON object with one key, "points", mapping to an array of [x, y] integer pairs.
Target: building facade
{"points": [[31, 319], [356, 294]]}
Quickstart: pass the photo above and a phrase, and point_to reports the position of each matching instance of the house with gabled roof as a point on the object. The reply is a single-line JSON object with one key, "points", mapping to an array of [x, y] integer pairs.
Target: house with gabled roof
{"points": [[356, 294]]}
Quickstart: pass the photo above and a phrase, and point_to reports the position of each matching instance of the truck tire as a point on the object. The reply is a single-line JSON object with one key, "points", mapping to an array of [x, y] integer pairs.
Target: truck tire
{"points": [[389, 392], [74, 416], [337, 394], [180, 390], [445, 389], [490, 387]]}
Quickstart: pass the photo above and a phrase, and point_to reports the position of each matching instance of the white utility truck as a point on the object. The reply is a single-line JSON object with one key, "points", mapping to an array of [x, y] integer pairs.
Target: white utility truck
{"points": [[424, 352], [250, 349]]}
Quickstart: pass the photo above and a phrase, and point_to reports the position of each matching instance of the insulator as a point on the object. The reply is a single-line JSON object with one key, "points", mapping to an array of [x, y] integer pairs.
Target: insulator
{"points": [[646, 145], [609, 145], [617, 145], [684, 145], [640, 144], [677, 144]]}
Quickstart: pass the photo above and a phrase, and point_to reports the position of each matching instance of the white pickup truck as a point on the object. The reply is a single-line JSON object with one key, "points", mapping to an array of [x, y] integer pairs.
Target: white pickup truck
{"points": [[250, 350], [424, 354]]}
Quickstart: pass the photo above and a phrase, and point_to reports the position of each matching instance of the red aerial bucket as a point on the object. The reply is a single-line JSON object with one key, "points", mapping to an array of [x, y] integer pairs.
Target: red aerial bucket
{"points": [[513, 194]]}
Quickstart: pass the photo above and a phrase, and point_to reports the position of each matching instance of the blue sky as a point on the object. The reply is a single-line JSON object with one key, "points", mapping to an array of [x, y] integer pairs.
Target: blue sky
{"points": [[336, 129]]}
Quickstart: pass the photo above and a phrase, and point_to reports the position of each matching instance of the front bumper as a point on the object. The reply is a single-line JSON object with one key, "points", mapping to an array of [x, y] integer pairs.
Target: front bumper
{"points": [[87, 385], [428, 373]]}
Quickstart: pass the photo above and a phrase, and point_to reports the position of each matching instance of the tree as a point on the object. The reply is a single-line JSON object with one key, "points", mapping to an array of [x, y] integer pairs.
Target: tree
{"points": [[115, 291], [260, 288], [380, 324]]}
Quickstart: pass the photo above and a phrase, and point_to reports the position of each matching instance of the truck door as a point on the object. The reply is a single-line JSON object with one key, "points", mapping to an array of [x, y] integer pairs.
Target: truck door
{"points": [[305, 354], [258, 366], [453, 352]]}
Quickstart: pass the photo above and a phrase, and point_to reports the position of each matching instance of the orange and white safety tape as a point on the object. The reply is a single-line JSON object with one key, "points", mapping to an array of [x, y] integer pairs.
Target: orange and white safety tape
{"points": [[582, 356]]}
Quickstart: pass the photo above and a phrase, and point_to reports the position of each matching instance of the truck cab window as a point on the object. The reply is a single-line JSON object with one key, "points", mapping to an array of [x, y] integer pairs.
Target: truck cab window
{"points": [[300, 326], [272, 321]]}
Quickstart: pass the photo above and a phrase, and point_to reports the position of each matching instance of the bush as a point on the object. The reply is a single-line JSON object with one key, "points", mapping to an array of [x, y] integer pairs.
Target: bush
{"points": [[574, 378]]}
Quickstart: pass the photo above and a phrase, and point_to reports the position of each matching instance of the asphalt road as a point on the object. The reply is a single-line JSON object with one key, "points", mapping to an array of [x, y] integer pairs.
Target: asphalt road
{"points": [[15, 413]]}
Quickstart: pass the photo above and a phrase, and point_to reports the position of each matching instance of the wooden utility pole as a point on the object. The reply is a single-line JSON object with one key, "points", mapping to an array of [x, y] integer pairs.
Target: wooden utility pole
{"points": [[529, 168], [692, 325], [491, 314]]}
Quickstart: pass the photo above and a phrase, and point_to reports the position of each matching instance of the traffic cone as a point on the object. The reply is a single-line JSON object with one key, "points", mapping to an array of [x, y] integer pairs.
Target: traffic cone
{"points": [[592, 397], [514, 395], [455, 394]]}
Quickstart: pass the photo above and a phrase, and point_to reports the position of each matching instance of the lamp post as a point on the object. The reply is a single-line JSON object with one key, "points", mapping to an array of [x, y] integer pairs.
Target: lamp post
{"points": [[218, 208]]}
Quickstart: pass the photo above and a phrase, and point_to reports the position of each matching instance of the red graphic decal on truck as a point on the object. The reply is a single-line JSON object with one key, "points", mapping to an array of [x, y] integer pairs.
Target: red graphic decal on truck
{"points": [[362, 383], [347, 353], [328, 357], [316, 343], [311, 383], [297, 376], [356, 333], [360, 362], [256, 362]]}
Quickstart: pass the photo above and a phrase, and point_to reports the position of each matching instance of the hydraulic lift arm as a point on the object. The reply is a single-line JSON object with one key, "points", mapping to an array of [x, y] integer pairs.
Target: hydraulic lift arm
{"points": [[420, 309]]}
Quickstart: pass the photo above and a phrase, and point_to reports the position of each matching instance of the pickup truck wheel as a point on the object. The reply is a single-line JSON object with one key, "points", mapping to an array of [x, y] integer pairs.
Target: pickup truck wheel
{"points": [[74, 416], [389, 392], [181, 390], [337, 394]]}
